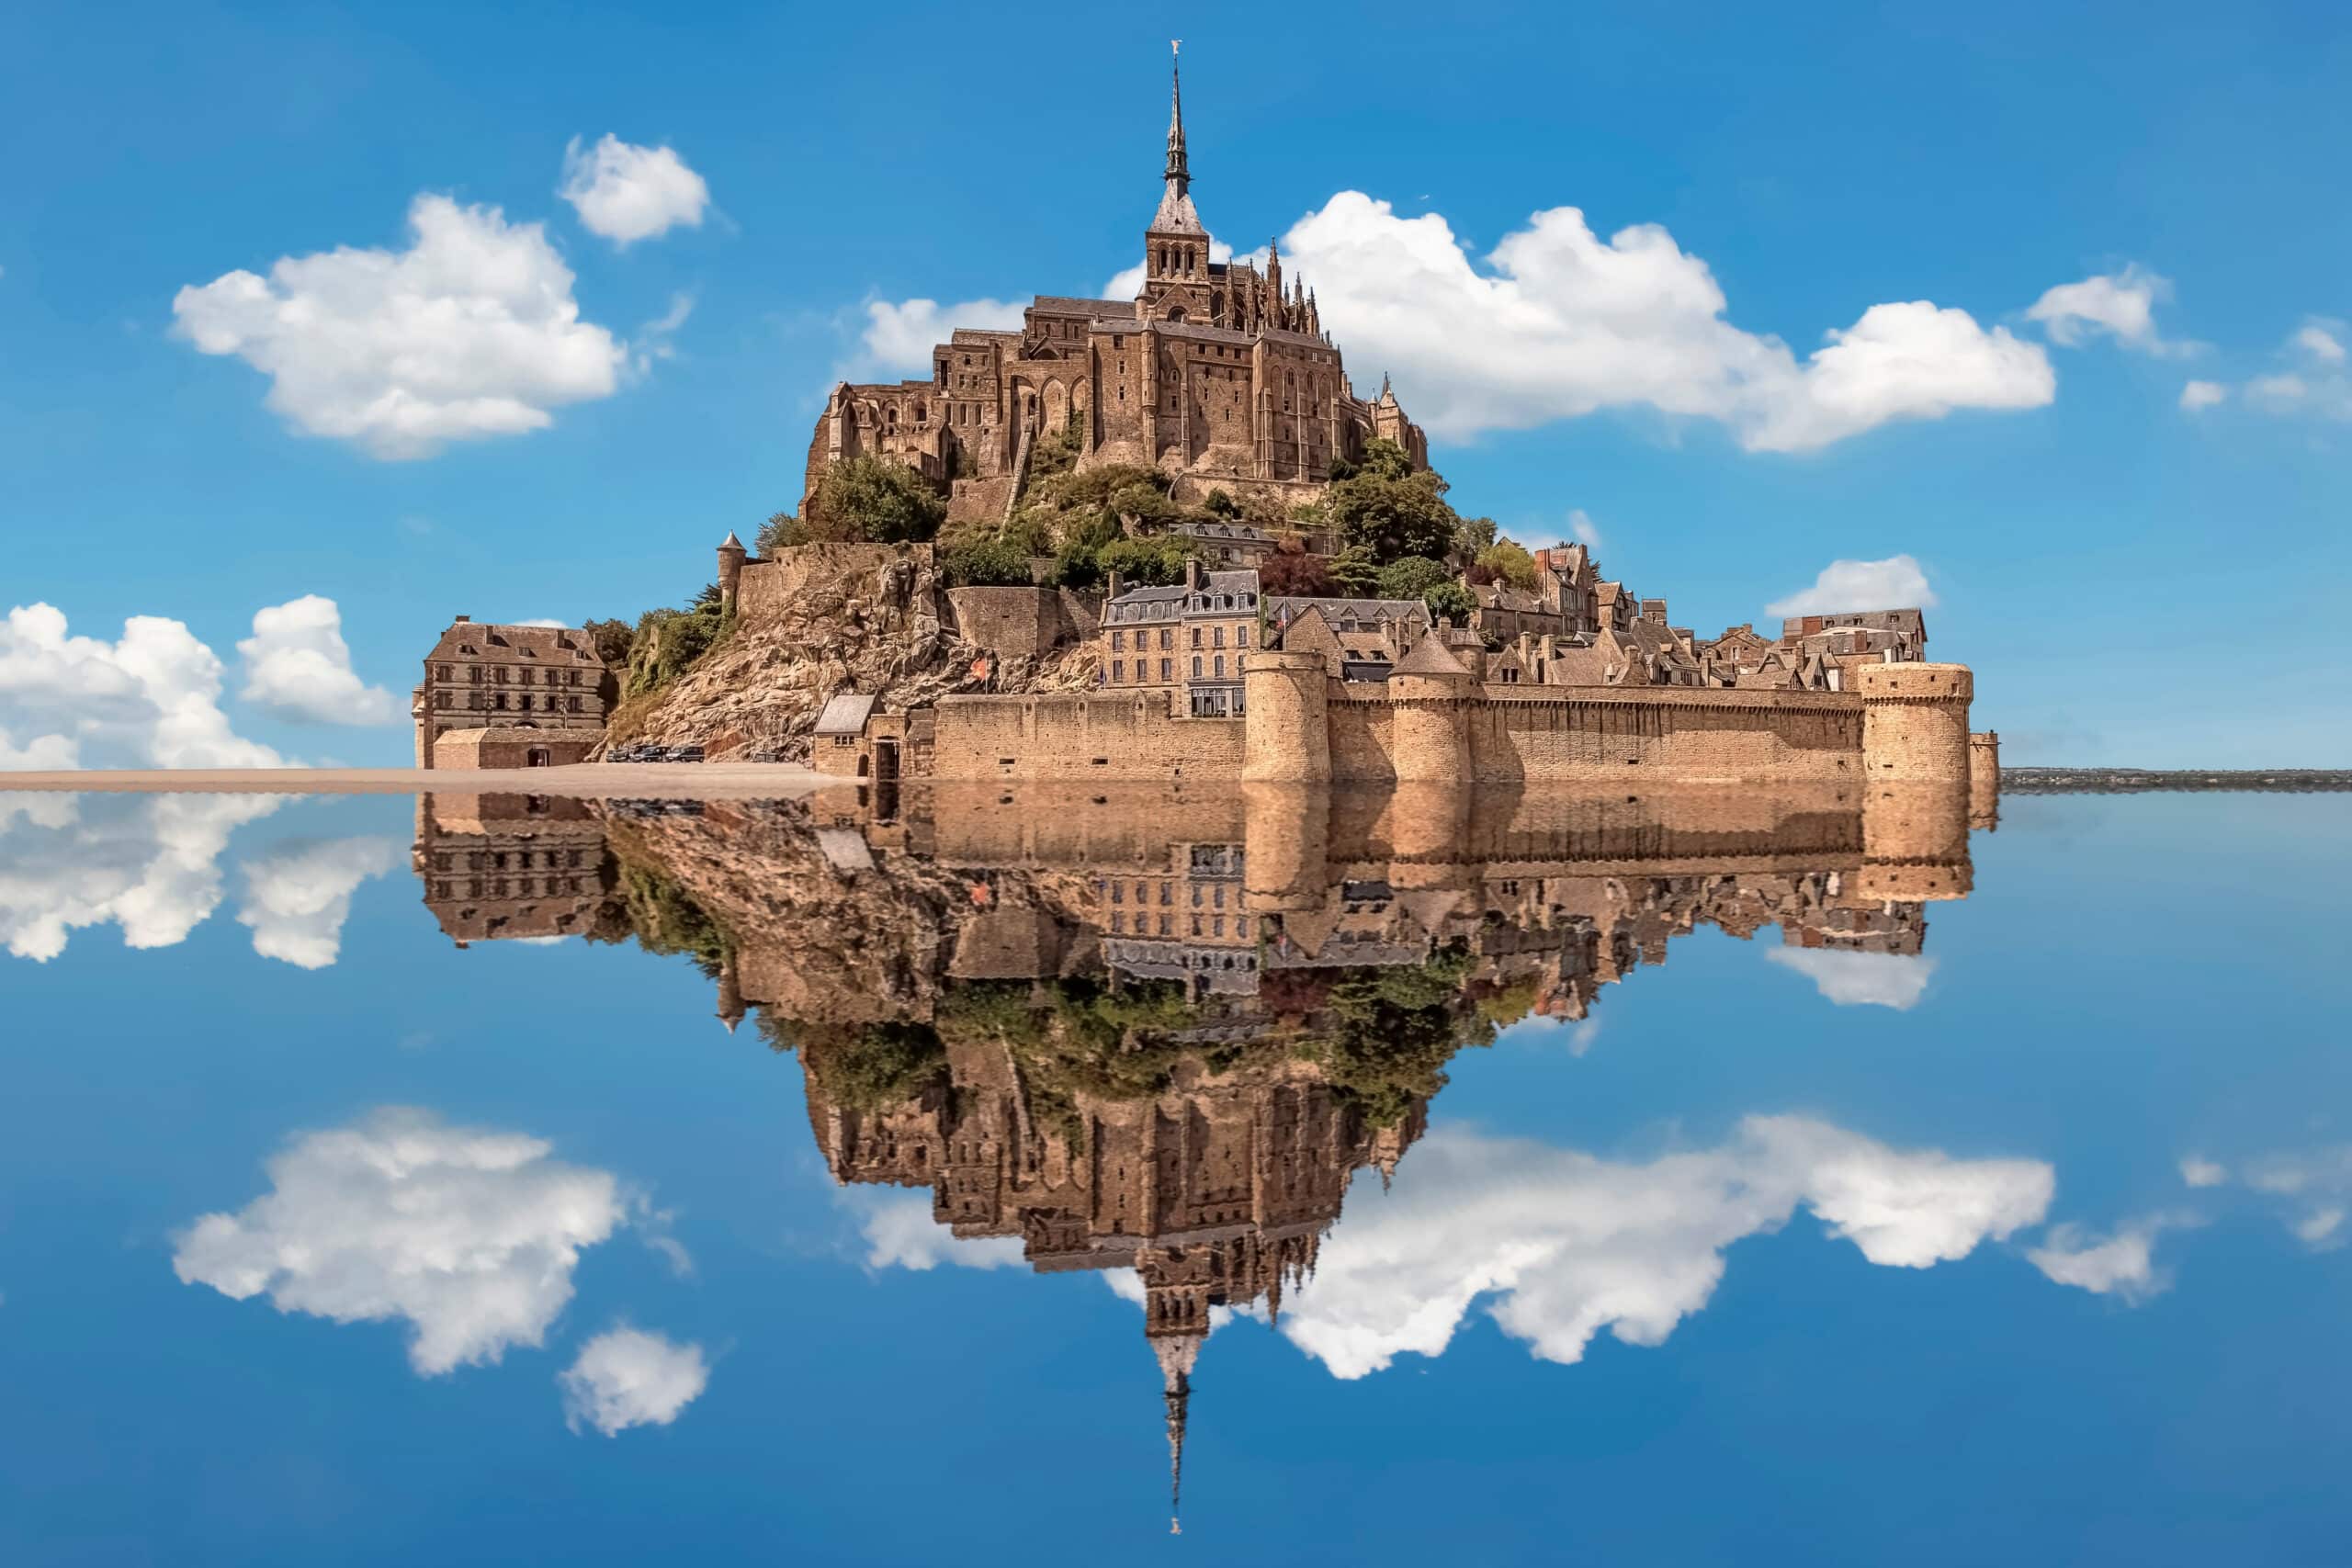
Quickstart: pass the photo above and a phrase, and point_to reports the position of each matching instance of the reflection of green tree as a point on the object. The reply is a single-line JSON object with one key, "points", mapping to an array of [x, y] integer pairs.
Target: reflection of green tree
{"points": [[1393, 1030], [865, 1067], [663, 919]]}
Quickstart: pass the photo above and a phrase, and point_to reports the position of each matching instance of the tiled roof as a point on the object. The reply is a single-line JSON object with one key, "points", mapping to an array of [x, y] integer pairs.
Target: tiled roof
{"points": [[1070, 305], [1429, 658]]}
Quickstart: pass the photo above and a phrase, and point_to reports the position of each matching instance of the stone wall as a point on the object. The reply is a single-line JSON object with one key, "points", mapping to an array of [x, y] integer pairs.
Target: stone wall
{"points": [[512, 747], [1077, 738], [1022, 623], [768, 586]]}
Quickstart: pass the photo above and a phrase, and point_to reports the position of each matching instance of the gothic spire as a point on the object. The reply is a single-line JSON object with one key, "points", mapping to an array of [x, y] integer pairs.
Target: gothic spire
{"points": [[1176, 1353], [1176, 215]]}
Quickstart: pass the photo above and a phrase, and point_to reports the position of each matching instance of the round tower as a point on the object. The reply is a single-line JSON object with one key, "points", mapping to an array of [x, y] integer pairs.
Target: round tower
{"points": [[1430, 729], [1286, 734], [1914, 722], [1915, 841], [730, 570]]}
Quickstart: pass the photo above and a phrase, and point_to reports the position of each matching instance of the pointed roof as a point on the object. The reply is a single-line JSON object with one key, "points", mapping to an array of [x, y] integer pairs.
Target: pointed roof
{"points": [[1177, 1353], [1429, 658], [731, 542]]}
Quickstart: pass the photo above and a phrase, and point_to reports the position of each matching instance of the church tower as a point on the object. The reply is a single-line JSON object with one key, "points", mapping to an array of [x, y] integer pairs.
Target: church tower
{"points": [[1176, 286]]}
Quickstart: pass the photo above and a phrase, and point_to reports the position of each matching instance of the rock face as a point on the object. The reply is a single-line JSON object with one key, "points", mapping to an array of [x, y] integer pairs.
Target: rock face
{"points": [[881, 627]]}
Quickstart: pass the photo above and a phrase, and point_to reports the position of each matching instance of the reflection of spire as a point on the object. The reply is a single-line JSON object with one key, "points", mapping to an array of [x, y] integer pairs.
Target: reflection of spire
{"points": [[1177, 1352]]}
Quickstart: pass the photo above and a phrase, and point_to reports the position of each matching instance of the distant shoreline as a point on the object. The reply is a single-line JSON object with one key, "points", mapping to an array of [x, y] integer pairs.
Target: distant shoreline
{"points": [[2136, 781]]}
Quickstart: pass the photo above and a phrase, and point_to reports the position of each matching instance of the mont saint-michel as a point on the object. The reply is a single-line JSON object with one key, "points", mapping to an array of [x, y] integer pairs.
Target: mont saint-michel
{"points": [[1164, 538]]}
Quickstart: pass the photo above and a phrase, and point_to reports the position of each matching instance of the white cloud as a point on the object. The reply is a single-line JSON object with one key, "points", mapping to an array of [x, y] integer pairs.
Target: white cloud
{"points": [[471, 332], [2197, 396], [625, 1377], [147, 864], [2317, 340], [1585, 530], [2121, 305], [628, 193], [467, 1234], [2198, 1172], [899, 336], [652, 341], [2320, 1183], [1859, 980], [1896, 582], [900, 1234], [151, 698], [1564, 1245], [298, 665], [2123, 1264], [297, 896], [1559, 325]]}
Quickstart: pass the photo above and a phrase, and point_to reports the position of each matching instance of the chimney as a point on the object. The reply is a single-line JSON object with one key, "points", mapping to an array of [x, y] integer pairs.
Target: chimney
{"points": [[1192, 573], [1109, 587], [463, 620]]}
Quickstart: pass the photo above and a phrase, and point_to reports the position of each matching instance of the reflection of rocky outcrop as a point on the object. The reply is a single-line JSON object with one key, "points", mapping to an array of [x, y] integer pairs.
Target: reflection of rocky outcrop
{"points": [[1161, 1030]]}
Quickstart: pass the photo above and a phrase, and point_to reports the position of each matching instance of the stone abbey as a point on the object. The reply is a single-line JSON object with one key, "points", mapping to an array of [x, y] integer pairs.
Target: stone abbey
{"points": [[1215, 373]]}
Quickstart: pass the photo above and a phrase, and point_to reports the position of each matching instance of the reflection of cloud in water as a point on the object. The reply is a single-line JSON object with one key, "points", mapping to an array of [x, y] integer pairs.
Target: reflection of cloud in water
{"points": [[900, 1234], [149, 864], [2123, 1264], [1567, 1244], [297, 894], [467, 1234], [627, 1377], [1875, 979]]}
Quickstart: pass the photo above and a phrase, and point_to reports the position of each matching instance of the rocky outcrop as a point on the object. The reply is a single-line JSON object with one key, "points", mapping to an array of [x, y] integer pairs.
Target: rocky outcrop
{"points": [[878, 626]]}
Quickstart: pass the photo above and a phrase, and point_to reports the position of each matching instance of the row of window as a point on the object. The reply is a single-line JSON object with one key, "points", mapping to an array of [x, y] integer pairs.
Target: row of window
{"points": [[503, 860], [1216, 638], [521, 675], [498, 703], [1215, 671], [1199, 603], [517, 887], [1144, 924], [1118, 891]]}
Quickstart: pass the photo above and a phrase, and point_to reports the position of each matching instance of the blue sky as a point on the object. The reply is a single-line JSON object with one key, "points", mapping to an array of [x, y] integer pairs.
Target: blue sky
{"points": [[2134, 581]]}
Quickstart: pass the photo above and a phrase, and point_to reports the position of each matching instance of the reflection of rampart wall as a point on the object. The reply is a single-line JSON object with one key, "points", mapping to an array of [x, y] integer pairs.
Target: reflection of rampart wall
{"points": [[503, 866]]}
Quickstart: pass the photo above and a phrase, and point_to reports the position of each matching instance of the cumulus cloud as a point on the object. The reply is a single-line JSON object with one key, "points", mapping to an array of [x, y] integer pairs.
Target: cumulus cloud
{"points": [[628, 193], [1563, 1245], [2121, 305], [898, 337], [2197, 396], [298, 667], [1585, 530], [900, 1234], [625, 1377], [2318, 1184], [1859, 980], [297, 896], [2316, 382], [151, 698], [469, 332], [467, 1235], [1896, 582], [146, 864], [1558, 324], [2120, 1265], [2199, 1172]]}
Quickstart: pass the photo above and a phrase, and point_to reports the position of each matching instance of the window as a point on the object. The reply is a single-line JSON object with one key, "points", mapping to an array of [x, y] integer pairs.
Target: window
{"points": [[1119, 670], [1220, 666], [1241, 636], [1118, 642], [1164, 673], [1217, 636], [1167, 638], [1197, 675], [1197, 640]]}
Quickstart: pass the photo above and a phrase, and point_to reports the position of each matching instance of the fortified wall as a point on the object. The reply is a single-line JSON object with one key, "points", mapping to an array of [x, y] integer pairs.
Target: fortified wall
{"points": [[1012, 622], [1903, 724]]}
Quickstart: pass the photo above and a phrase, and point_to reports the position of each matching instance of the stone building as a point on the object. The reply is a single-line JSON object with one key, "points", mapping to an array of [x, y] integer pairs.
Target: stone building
{"points": [[1189, 637], [1217, 372], [511, 696], [499, 867]]}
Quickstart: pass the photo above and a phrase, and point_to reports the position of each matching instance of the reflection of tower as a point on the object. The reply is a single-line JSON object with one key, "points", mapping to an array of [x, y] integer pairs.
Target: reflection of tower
{"points": [[1915, 841], [1176, 1336], [1985, 780], [1286, 837]]}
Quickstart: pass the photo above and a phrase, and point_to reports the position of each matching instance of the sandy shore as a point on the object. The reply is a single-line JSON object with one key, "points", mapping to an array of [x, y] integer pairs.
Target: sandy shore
{"points": [[672, 781]]}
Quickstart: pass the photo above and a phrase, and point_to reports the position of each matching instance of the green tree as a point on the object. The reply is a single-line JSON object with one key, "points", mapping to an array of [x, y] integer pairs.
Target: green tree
{"points": [[611, 640], [1355, 574], [1221, 504], [867, 498], [1412, 577], [780, 531], [1473, 536], [1451, 600], [1393, 515], [1507, 560], [985, 559], [1152, 561]]}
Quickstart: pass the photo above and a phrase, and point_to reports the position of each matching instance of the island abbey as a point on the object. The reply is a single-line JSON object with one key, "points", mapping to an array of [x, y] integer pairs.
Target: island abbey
{"points": [[1215, 373]]}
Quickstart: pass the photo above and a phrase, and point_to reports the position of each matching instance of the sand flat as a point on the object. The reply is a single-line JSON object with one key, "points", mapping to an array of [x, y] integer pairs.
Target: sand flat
{"points": [[674, 781]]}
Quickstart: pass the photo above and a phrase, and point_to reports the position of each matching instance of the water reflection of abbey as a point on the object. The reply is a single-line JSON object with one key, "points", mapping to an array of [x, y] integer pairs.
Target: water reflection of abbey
{"points": [[1159, 1030]]}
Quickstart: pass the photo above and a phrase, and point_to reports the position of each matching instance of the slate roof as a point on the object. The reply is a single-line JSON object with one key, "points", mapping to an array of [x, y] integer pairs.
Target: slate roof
{"points": [[1429, 658], [845, 714]]}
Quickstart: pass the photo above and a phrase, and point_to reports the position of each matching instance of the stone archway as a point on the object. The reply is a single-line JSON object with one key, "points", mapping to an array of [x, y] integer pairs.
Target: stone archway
{"points": [[1057, 408]]}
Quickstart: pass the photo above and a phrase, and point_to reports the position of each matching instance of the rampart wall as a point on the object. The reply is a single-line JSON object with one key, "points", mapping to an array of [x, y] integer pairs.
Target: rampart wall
{"points": [[1047, 738], [1021, 623]]}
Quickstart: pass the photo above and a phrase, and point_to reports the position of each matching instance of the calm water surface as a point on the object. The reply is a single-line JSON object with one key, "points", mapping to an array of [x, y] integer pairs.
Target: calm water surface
{"points": [[491, 1178]]}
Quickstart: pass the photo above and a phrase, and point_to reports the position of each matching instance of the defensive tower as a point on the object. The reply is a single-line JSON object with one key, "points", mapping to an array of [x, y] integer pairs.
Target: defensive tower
{"points": [[1286, 733], [1914, 722]]}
